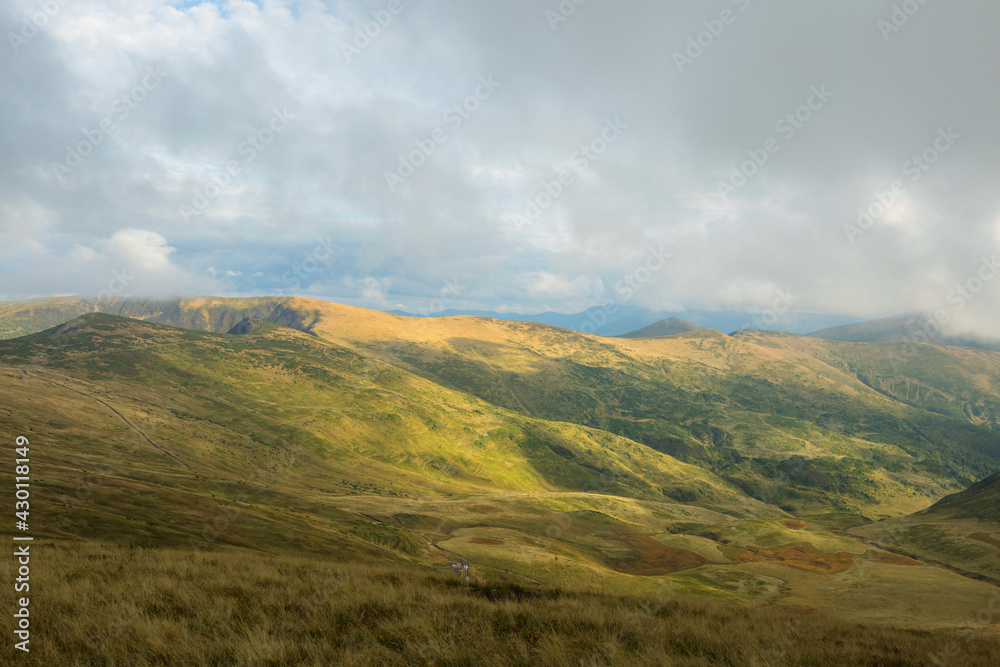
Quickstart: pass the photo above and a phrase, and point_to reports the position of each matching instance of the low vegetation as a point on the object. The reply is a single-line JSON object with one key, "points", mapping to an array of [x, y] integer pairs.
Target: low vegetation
{"points": [[99, 604]]}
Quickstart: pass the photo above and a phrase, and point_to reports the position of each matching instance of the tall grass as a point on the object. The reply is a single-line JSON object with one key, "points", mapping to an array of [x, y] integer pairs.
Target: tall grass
{"points": [[98, 604]]}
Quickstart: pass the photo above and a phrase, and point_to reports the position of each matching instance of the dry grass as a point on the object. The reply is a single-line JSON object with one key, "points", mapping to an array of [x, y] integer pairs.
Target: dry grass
{"points": [[95, 604]]}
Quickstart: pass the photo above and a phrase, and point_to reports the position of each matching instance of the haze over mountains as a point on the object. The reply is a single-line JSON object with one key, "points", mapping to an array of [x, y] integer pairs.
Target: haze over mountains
{"points": [[618, 320]]}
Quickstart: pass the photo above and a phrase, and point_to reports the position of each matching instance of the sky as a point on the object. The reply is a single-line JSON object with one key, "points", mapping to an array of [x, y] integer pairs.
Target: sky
{"points": [[516, 156]]}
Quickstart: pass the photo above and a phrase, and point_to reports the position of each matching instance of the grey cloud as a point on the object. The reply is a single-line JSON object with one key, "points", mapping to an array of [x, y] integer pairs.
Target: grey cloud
{"points": [[325, 175]]}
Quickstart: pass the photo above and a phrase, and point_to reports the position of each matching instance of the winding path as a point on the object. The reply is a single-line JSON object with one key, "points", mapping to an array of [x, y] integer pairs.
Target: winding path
{"points": [[109, 407]]}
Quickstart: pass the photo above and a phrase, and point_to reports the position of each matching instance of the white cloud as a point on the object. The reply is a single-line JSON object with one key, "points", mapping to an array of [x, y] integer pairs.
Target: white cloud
{"points": [[141, 249]]}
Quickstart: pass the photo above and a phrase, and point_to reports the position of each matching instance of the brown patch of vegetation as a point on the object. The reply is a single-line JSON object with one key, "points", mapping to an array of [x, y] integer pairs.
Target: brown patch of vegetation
{"points": [[793, 524], [650, 558], [806, 557], [485, 540], [987, 538], [485, 509], [738, 555], [890, 558]]}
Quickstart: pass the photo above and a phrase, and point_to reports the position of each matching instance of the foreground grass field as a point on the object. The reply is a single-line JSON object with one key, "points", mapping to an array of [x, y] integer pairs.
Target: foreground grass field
{"points": [[100, 604]]}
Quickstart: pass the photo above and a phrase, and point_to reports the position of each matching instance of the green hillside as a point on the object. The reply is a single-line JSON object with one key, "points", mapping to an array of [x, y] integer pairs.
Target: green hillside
{"points": [[980, 502], [355, 441], [808, 425], [960, 531]]}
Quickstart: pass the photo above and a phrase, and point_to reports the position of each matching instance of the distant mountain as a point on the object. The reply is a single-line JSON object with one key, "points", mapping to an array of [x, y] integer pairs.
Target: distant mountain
{"points": [[889, 329], [623, 319], [918, 328], [667, 327], [20, 318]]}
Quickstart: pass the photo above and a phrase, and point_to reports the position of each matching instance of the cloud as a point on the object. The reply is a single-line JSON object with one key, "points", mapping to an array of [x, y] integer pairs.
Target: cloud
{"points": [[271, 198], [141, 249]]}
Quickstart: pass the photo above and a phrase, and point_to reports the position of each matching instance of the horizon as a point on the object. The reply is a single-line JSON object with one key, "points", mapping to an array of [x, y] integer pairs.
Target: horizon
{"points": [[598, 320]]}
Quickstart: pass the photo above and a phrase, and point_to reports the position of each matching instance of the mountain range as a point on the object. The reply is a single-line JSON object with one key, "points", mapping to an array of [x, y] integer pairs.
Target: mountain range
{"points": [[765, 468]]}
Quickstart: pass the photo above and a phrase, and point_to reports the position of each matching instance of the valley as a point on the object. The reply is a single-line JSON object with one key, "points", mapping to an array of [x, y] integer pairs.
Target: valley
{"points": [[761, 470]]}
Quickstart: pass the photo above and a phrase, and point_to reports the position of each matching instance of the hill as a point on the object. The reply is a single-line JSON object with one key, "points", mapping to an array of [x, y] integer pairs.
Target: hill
{"points": [[667, 327], [915, 328], [980, 502], [960, 531], [351, 441], [806, 425]]}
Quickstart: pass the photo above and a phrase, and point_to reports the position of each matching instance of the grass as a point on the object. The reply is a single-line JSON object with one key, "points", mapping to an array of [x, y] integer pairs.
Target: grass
{"points": [[540, 457], [95, 603]]}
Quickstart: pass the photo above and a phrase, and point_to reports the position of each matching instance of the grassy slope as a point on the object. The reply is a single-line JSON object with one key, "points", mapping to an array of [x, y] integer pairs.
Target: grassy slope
{"points": [[777, 418], [960, 530], [121, 606], [394, 468], [806, 424], [225, 412]]}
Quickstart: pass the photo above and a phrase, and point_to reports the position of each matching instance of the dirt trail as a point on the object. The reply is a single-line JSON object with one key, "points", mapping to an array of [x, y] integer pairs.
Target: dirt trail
{"points": [[109, 407], [460, 563]]}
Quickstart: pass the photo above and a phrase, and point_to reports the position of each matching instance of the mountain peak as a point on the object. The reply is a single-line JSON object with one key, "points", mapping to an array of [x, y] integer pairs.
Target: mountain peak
{"points": [[668, 327]]}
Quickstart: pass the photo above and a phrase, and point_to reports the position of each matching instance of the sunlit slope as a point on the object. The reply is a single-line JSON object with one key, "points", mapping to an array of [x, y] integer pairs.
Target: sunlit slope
{"points": [[284, 442], [784, 422], [218, 409], [807, 424], [959, 382]]}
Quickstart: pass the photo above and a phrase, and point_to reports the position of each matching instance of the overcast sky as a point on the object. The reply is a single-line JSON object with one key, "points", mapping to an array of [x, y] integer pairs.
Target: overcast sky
{"points": [[390, 168]]}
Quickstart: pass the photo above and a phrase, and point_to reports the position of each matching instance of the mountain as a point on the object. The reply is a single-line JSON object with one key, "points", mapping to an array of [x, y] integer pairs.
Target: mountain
{"points": [[914, 328], [20, 318], [546, 463], [620, 319], [803, 424], [667, 327]]}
